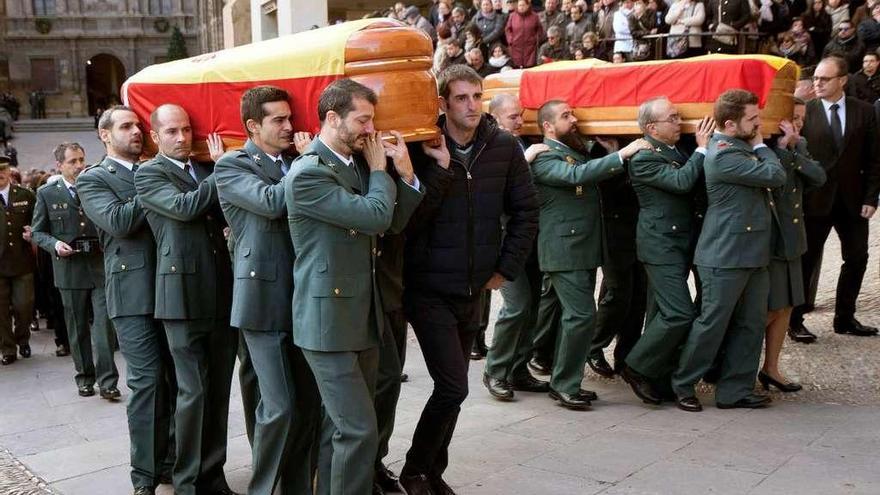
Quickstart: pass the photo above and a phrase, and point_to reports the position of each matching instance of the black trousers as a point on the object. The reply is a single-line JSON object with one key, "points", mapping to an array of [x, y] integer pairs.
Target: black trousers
{"points": [[445, 327], [621, 314], [853, 233]]}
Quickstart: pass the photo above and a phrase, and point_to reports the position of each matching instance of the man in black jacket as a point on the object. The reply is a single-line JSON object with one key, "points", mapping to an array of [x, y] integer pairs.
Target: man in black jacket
{"points": [[454, 250]]}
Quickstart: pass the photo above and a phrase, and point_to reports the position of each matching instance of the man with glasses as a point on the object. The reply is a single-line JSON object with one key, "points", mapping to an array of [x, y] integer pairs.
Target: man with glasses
{"points": [[842, 135], [846, 45]]}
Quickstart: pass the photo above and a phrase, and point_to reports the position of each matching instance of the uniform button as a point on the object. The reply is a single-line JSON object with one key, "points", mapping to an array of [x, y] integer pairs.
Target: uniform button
{"points": [[794, 189], [352, 232], [769, 190], [10, 243], [336, 291], [797, 205], [82, 224], [572, 231], [771, 203], [9, 223], [215, 251], [616, 215], [122, 266], [374, 251], [674, 227], [209, 217], [253, 274], [749, 228], [379, 253], [795, 220], [173, 268], [613, 169], [381, 234]]}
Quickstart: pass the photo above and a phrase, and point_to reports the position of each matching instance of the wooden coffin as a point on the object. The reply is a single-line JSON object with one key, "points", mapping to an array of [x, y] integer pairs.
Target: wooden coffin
{"points": [[606, 96], [383, 54]]}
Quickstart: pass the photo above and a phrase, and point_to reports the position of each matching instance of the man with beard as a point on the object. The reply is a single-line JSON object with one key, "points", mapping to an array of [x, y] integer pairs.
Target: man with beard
{"points": [[61, 228], [732, 255], [337, 208], [570, 244], [251, 192], [193, 297], [108, 196]]}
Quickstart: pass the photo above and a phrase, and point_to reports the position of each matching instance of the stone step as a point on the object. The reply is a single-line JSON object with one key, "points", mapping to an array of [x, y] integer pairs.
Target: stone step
{"points": [[54, 125]]}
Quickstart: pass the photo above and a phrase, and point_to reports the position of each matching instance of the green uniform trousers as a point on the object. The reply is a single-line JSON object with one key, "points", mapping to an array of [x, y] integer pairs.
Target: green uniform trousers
{"points": [[655, 355], [732, 321], [250, 391], [621, 309], [16, 293], [286, 417], [150, 408], [91, 349], [576, 330], [547, 323], [392, 355], [346, 382], [204, 357], [514, 329]]}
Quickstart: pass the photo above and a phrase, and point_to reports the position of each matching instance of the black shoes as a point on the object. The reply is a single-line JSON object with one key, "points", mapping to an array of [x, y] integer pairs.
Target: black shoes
{"points": [[766, 380], [601, 366], [144, 490], [417, 484], [87, 391], [479, 349], [530, 384], [799, 333], [7, 360], [577, 402], [640, 386], [499, 389], [751, 401], [24, 350], [689, 404], [62, 350], [111, 393], [404, 378], [853, 327], [540, 367], [386, 481]]}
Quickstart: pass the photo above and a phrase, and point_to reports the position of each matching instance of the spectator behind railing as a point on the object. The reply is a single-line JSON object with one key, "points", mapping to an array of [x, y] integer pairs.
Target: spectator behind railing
{"points": [[552, 16], [415, 19], [576, 28], [490, 23], [642, 23], [818, 23], [523, 32], [622, 33], [846, 45], [685, 16], [805, 42], [869, 29], [839, 12], [500, 59], [553, 49]]}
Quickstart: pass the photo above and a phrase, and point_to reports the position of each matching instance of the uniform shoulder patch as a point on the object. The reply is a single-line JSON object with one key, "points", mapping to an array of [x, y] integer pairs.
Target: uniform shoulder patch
{"points": [[723, 144]]}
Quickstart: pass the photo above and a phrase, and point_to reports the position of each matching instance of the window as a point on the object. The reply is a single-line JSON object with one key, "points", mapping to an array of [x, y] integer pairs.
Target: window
{"points": [[160, 7], [43, 74], [44, 7]]}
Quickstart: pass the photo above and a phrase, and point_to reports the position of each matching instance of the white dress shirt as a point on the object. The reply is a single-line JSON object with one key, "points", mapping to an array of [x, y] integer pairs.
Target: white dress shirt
{"points": [[128, 165], [182, 165], [841, 112], [5, 193], [349, 161]]}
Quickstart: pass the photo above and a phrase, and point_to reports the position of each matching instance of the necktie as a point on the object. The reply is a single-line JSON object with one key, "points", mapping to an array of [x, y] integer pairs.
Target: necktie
{"points": [[283, 166], [134, 167], [836, 128], [73, 195], [189, 170], [2, 201]]}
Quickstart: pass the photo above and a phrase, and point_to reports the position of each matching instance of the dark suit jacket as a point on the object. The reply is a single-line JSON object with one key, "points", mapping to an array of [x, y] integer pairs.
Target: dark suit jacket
{"points": [[16, 256], [853, 172]]}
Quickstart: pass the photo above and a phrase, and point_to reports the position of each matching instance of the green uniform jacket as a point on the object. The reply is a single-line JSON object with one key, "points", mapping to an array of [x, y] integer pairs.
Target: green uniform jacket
{"points": [[58, 217], [570, 233], [16, 256], [790, 240], [252, 197], [736, 232], [335, 216], [667, 215], [110, 201], [193, 271]]}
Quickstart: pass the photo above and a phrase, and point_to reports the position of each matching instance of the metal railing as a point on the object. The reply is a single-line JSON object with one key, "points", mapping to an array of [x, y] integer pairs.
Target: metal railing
{"points": [[746, 41]]}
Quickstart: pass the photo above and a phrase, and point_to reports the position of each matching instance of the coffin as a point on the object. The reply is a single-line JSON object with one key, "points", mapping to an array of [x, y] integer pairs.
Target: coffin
{"points": [[383, 54], [605, 97]]}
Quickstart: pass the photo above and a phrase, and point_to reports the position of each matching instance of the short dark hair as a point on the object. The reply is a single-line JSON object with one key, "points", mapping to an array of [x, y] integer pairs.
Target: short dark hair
{"points": [[62, 148], [454, 73], [731, 105], [252, 103], [874, 54], [106, 121], [547, 112], [339, 97], [840, 62]]}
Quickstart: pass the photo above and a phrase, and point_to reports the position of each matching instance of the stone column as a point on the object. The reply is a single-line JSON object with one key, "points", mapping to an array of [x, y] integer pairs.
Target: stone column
{"points": [[300, 15]]}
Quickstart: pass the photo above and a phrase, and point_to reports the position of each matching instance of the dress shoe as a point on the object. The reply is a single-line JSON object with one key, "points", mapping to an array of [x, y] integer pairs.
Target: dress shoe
{"points": [[530, 384], [479, 349], [111, 393], [62, 351], [499, 389], [601, 367], [24, 350], [7, 360], [440, 487], [386, 480], [853, 327], [689, 404], [540, 367], [404, 378], [571, 401], [416, 484], [640, 386], [589, 394], [144, 490], [799, 333], [751, 401], [766, 380], [86, 391]]}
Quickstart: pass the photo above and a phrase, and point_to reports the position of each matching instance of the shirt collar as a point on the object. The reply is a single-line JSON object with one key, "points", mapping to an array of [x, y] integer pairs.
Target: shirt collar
{"points": [[128, 165], [67, 184], [179, 163], [840, 103], [5, 191], [348, 161]]}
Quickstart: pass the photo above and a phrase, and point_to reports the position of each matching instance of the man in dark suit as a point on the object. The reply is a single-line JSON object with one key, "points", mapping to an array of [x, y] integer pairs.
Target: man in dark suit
{"points": [[109, 199], [193, 298], [842, 135]]}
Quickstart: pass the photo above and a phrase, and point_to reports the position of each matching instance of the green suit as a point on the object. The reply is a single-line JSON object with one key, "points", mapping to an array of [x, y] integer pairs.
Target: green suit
{"points": [[16, 270], [58, 216], [110, 201], [336, 212], [252, 197], [663, 179], [570, 249], [193, 297], [732, 255]]}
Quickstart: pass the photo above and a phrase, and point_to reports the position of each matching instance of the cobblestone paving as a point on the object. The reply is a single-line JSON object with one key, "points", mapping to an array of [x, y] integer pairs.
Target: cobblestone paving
{"points": [[16, 479]]}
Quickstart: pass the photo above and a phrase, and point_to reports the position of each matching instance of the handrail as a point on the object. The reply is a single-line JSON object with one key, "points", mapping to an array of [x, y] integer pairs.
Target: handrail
{"points": [[658, 38]]}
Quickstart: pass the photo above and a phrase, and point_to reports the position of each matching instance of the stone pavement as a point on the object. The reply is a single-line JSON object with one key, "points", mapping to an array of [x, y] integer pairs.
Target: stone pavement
{"points": [[35, 148]]}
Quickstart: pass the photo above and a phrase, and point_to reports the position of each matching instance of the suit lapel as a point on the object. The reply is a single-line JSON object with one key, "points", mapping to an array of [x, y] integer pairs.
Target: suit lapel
{"points": [[347, 173], [262, 164], [672, 156], [183, 180], [571, 156]]}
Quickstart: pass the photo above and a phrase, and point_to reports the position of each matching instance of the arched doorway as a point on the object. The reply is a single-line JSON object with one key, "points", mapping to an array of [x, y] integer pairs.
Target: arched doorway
{"points": [[104, 77]]}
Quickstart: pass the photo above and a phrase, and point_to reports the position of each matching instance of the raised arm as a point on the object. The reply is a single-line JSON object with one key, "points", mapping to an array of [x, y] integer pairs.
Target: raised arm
{"points": [[106, 209]]}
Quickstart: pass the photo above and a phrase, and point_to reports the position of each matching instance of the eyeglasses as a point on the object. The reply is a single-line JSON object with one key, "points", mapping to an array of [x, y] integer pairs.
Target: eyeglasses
{"points": [[672, 119], [824, 80]]}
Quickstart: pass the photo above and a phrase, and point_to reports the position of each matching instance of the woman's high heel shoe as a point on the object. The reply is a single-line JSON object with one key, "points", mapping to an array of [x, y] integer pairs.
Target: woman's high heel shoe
{"points": [[766, 380]]}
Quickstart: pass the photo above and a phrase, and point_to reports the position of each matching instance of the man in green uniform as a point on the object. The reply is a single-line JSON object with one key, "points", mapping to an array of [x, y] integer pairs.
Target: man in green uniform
{"points": [[664, 178], [61, 228], [251, 191], [193, 298], [109, 199], [337, 206], [570, 242], [732, 257], [16, 267]]}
